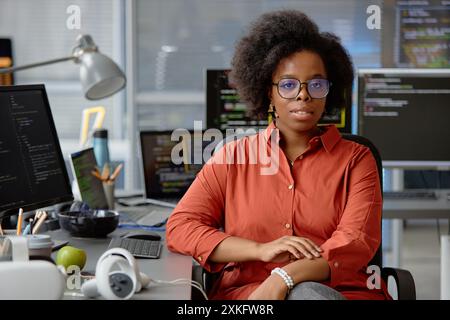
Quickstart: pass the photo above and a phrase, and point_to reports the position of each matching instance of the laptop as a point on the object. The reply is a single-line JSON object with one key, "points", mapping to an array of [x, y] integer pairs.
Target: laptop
{"points": [[169, 166]]}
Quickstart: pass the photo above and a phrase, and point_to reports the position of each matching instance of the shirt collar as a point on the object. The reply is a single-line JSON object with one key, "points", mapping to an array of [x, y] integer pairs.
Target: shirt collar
{"points": [[329, 137]]}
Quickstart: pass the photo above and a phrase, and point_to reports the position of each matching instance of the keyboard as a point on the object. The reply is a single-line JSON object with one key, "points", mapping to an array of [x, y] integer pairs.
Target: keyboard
{"points": [[410, 194], [139, 248]]}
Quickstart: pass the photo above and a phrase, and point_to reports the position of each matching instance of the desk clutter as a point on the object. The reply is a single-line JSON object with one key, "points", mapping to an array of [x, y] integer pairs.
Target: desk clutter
{"points": [[89, 223], [33, 225], [23, 277], [117, 277], [27, 270]]}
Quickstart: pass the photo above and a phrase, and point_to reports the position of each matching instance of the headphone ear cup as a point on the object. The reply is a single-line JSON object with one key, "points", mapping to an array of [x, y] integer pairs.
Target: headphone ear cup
{"points": [[119, 284]]}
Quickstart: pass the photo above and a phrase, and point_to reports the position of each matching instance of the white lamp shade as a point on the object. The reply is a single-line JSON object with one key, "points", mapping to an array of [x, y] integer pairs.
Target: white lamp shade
{"points": [[100, 77]]}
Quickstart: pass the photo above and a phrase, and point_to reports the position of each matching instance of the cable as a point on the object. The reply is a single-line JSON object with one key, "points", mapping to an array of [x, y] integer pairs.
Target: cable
{"points": [[175, 282], [183, 281], [141, 226]]}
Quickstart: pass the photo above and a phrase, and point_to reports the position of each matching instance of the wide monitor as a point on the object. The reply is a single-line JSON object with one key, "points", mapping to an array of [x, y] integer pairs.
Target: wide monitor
{"points": [[32, 169], [225, 110], [405, 113]]}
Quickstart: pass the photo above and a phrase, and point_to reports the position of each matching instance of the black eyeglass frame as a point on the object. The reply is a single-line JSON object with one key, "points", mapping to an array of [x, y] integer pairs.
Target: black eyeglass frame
{"points": [[300, 87]]}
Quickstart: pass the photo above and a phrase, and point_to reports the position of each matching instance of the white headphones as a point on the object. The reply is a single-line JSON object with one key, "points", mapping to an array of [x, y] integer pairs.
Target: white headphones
{"points": [[117, 276]]}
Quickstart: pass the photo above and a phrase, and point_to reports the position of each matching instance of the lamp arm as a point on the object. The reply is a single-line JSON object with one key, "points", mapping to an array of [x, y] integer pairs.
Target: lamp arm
{"points": [[14, 69]]}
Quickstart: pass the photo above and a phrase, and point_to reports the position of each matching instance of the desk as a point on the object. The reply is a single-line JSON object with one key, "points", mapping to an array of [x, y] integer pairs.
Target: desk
{"points": [[399, 209], [418, 208], [169, 266]]}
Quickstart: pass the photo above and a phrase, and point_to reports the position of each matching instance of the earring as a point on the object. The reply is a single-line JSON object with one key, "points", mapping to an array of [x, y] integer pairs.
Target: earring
{"points": [[271, 108]]}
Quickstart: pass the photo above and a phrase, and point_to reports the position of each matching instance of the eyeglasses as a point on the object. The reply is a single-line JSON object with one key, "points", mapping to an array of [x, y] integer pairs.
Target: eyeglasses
{"points": [[290, 88]]}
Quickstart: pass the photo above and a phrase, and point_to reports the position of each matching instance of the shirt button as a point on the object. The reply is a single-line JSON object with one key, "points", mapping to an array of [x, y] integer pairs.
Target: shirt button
{"points": [[290, 186], [287, 225], [336, 264], [200, 258]]}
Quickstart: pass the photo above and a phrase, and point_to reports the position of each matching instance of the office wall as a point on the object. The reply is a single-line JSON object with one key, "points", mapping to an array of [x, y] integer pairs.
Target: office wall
{"points": [[178, 39], [38, 29]]}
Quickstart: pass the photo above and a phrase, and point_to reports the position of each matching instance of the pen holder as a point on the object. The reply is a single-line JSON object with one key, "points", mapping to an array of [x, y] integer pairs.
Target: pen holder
{"points": [[109, 188], [39, 245]]}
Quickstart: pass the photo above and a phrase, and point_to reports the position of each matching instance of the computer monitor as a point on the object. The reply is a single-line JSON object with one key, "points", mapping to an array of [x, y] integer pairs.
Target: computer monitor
{"points": [[406, 114], [168, 169], [225, 110], [32, 169], [415, 34]]}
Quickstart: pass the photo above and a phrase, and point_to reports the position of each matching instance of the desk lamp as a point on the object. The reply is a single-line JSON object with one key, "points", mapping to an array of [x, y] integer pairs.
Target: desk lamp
{"points": [[100, 77]]}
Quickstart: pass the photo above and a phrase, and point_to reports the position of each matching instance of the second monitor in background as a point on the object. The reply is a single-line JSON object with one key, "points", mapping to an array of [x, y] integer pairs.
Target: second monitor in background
{"points": [[225, 110], [405, 113], [168, 170]]}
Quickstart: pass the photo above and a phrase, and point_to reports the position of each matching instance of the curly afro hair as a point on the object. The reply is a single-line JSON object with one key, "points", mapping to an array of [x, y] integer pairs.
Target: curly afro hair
{"points": [[276, 35]]}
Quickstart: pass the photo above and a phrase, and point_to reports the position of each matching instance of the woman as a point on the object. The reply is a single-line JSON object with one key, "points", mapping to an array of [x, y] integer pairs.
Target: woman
{"points": [[308, 230]]}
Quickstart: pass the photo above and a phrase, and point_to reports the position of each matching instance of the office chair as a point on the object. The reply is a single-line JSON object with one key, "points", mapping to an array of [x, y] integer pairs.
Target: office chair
{"points": [[404, 281], [406, 289]]}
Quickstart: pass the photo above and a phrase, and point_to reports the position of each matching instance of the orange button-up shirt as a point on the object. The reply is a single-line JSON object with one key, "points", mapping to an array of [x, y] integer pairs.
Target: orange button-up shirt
{"points": [[331, 195]]}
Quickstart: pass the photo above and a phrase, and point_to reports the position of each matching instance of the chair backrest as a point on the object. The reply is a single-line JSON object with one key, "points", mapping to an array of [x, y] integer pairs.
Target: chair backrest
{"points": [[378, 257]]}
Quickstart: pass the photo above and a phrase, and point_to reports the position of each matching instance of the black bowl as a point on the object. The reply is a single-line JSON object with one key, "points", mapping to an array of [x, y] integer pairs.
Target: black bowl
{"points": [[90, 224]]}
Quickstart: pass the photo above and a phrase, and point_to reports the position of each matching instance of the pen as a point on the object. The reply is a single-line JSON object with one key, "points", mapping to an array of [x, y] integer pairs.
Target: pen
{"points": [[116, 172], [27, 228], [39, 223], [35, 219], [105, 172], [96, 174], [19, 222]]}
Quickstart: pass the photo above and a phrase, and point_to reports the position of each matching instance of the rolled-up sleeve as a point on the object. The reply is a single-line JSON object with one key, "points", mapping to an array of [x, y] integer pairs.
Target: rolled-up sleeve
{"points": [[358, 235], [194, 227]]}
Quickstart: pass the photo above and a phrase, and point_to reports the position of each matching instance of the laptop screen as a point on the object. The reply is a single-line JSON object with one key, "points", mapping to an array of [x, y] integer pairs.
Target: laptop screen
{"points": [[170, 166]]}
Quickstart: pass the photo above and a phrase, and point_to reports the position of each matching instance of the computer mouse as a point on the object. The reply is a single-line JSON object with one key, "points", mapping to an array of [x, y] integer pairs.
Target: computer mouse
{"points": [[144, 235]]}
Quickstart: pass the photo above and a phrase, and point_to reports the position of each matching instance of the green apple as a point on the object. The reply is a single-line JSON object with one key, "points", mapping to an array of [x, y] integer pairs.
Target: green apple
{"points": [[69, 256]]}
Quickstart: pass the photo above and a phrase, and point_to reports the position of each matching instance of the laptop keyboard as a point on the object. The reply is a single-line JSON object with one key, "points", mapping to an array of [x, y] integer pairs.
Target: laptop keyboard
{"points": [[139, 248], [151, 218]]}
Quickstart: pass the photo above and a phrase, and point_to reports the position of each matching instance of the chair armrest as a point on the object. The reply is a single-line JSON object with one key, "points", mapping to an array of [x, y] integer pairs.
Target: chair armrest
{"points": [[205, 278], [406, 288]]}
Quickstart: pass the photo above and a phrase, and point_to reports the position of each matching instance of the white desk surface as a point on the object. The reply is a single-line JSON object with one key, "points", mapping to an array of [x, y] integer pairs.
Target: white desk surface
{"points": [[169, 266]]}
